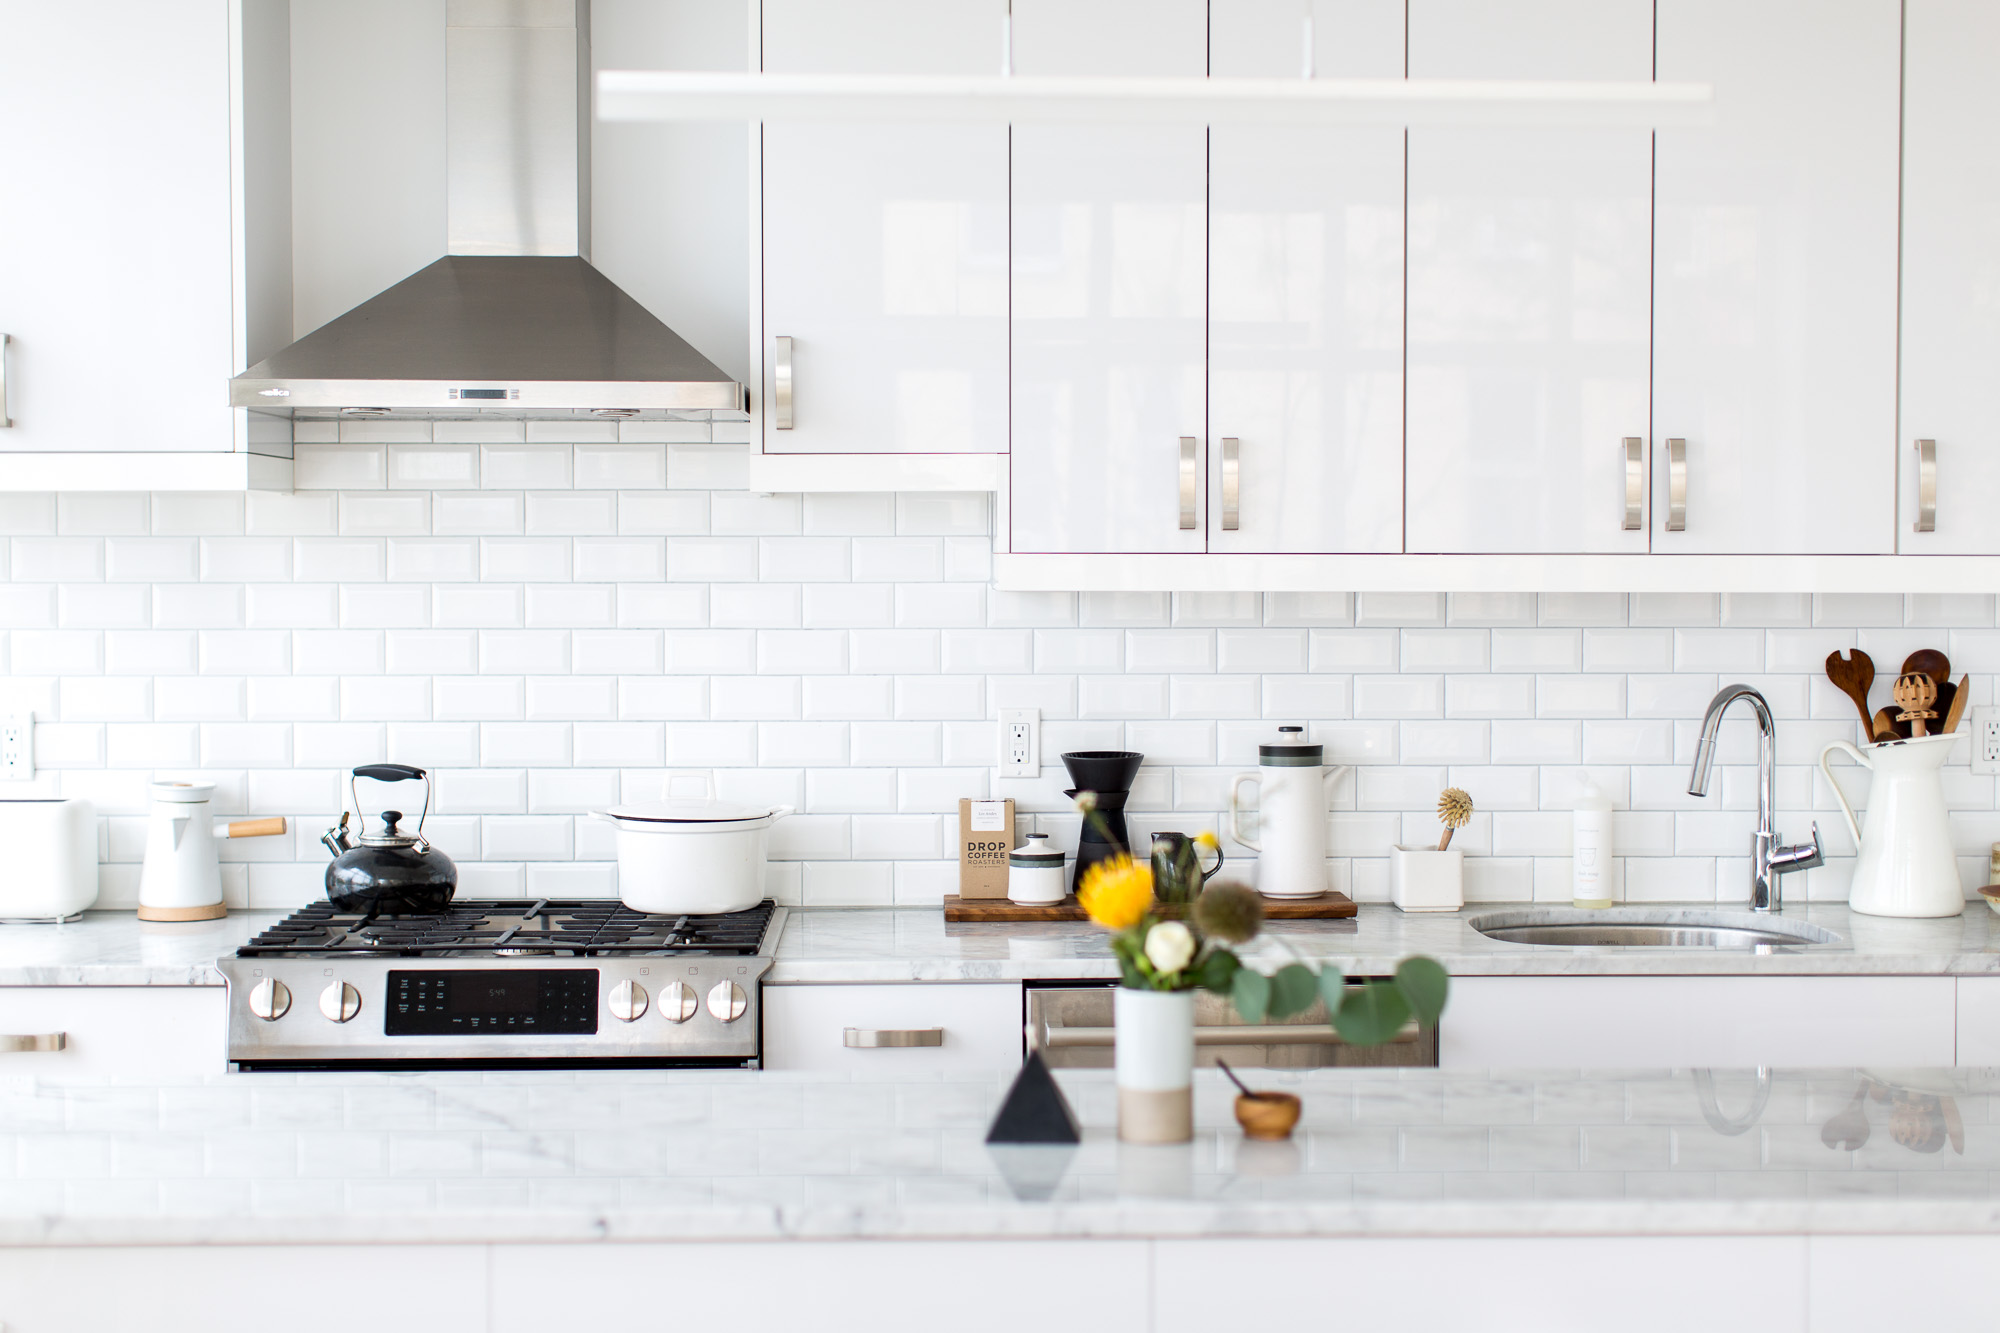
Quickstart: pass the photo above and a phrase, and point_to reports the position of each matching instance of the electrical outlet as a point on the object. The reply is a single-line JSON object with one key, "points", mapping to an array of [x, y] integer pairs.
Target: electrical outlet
{"points": [[1986, 740], [17, 746], [1020, 742]]}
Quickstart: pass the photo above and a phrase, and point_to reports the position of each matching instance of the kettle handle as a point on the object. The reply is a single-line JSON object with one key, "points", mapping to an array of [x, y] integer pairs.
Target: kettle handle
{"points": [[390, 773], [1839, 795], [1236, 810]]}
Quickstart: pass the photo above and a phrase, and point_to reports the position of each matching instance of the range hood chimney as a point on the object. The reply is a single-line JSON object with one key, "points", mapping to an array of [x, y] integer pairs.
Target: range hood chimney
{"points": [[513, 322]]}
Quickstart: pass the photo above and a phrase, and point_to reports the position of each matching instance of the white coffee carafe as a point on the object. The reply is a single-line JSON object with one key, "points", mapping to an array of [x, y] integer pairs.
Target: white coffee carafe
{"points": [[1293, 794], [181, 880], [1907, 865]]}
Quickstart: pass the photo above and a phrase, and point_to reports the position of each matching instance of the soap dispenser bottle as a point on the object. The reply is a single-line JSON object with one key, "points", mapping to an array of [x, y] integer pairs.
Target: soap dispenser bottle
{"points": [[1590, 851]]}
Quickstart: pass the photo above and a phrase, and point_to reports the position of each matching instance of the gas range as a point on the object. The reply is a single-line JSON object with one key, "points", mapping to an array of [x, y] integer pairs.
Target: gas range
{"points": [[502, 985]]}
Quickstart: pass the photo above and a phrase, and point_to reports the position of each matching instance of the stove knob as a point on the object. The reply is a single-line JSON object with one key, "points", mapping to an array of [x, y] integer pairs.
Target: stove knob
{"points": [[269, 999], [727, 1001], [628, 1001], [340, 1001], [678, 1002]]}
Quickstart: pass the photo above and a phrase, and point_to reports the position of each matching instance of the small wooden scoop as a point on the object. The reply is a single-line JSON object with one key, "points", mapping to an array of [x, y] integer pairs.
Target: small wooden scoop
{"points": [[1956, 710], [1853, 673], [1914, 694], [1885, 727]]}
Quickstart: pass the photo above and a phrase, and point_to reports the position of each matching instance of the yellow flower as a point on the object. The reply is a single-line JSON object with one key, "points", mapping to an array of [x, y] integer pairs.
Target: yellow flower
{"points": [[1205, 839], [1117, 893]]}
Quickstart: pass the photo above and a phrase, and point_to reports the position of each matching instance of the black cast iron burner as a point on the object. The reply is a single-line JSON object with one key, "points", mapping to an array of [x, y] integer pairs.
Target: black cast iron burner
{"points": [[578, 928]]}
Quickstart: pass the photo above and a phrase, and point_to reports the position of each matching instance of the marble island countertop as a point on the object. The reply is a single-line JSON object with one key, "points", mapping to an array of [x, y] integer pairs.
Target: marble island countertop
{"points": [[917, 944], [628, 1156]]}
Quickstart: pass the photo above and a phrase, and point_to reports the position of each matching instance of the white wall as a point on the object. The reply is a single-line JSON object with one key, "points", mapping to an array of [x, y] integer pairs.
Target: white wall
{"points": [[556, 626]]}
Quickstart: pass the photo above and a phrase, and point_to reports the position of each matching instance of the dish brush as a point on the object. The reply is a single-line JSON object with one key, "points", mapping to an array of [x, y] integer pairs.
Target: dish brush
{"points": [[1454, 812]]}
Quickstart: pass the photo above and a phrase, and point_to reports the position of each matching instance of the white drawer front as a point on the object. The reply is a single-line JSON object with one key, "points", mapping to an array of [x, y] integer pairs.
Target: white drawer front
{"points": [[135, 1030], [805, 1027]]}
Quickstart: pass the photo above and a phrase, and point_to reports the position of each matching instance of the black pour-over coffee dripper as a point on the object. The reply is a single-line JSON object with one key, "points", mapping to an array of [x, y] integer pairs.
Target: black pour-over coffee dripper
{"points": [[1108, 773]]}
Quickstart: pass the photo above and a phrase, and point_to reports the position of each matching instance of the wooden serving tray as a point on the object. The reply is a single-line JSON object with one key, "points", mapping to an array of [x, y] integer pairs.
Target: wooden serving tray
{"points": [[1326, 907]]}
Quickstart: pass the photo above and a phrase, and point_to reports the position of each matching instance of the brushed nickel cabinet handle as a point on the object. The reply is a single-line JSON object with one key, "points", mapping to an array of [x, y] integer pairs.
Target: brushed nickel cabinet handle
{"points": [[1247, 1034], [873, 1039], [33, 1041], [1635, 483], [1232, 482], [781, 386], [1677, 485], [1926, 486], [5, 420], [1188, 449]]}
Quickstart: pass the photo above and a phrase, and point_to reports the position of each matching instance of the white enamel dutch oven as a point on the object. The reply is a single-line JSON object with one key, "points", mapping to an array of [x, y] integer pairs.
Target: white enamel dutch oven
{"points": [[692, 856]]}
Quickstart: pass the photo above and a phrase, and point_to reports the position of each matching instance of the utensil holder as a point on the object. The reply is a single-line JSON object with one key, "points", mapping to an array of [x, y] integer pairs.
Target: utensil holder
{"points": [[1429, 880]]}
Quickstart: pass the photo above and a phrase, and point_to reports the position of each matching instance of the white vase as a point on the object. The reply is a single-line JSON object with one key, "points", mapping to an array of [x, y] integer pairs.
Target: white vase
{"points": [[1908, 865], [1155, 1058]]}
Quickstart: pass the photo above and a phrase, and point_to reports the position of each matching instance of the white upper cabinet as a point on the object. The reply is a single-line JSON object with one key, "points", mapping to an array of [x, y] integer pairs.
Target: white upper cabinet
{"points": [[116, 258], [884, 246], [1109, 274], [1529, 290], [1305, 306], [1775, 277], [1951, 274]]}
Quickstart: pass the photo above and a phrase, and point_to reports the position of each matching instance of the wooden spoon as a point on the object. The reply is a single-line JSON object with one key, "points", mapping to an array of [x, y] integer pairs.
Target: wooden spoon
{"points": [[1956, 710], [1914, 694], [1848, 1129], [1946, 694], [1931, 663], [1853, 674], [1885, 727]]}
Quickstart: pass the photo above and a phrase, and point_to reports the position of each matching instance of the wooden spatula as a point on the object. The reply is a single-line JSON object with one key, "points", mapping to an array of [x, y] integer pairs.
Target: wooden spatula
{"points": [[1957, 708], [1853, 674]]}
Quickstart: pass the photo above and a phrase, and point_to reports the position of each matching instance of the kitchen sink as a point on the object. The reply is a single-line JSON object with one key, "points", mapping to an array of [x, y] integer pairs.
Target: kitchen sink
{"points": [[1650, 928]]}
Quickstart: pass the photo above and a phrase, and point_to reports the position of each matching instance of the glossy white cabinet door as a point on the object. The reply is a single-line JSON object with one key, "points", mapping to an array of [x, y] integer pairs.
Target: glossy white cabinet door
{"points": [[1305, 316], [1951, 273], [1109, 273], [885, 247], [115, 260], [979, 1026], [1775, 277], [1529, 300]]}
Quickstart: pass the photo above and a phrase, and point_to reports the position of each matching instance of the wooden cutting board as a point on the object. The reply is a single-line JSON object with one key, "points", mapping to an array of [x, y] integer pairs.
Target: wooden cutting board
{"points": [[1326, 907]]}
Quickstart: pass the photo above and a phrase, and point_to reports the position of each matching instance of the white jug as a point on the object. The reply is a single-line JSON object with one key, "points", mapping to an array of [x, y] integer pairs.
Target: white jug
{"points": [[1292, 797], [1907, 866], [180, 880]]}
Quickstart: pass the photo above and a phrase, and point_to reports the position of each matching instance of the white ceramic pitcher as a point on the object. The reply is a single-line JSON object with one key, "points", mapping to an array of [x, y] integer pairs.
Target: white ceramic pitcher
{"points": [[1907, 866], [1293, 786]]}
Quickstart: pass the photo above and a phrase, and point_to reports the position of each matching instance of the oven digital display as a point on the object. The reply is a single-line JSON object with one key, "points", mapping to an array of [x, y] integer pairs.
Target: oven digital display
{"points": [[513, 1001]]}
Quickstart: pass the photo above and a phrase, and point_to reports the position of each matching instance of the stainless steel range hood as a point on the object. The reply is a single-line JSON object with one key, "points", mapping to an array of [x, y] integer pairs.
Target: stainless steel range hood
{"points": [[513, 322]]}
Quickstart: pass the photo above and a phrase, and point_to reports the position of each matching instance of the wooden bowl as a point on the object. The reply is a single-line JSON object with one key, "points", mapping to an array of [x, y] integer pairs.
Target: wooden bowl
{"points": [[1991, 893], [1267, 1115]]}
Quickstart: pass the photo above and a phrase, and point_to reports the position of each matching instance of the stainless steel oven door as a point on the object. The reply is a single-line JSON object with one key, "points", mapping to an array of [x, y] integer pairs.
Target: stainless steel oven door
{"points": [[1071, 1025]]}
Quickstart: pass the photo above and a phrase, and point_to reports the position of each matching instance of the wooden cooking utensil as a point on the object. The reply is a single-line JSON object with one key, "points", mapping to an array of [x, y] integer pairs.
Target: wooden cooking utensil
{"points": [[1853, 674], [1885, 728], [1915, 692], [1946, 693], [1931, 663], [1956, 710]]}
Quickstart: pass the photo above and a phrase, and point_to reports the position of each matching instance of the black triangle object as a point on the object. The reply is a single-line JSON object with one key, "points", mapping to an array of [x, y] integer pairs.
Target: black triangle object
{"points": [[1035, 1110]]}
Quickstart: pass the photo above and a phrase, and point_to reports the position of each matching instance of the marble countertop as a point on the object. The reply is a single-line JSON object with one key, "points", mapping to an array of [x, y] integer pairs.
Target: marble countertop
{"points": [[616, 1156], [917, 944]]}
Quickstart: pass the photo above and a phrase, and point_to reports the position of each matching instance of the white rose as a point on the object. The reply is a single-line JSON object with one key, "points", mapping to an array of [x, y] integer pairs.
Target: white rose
{"points": [[1170, 946]]}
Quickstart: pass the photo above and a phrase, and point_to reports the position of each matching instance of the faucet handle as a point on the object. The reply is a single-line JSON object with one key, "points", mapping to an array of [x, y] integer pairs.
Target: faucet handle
{"points": [[1805, 856]]}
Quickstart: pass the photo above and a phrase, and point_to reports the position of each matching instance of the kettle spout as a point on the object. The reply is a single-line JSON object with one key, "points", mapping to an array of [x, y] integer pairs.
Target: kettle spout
{"points": [[338, 840]]}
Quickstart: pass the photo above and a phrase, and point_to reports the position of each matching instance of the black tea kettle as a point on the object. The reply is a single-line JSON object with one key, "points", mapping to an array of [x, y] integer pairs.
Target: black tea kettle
{"points": [[390, 873]]}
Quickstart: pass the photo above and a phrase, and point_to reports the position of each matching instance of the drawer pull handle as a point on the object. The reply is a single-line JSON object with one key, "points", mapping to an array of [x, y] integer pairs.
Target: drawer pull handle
{"points": [[781, 386], [33, 1041], [1248, 1034], [874, 1039], [1232, 482], [1677, 485], [1189, 446], [1926, 486], [1635, 483], [5, 420]]}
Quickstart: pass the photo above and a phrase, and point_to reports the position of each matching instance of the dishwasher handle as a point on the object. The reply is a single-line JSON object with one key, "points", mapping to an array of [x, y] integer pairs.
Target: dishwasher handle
{"points": [[1042, 1037]]}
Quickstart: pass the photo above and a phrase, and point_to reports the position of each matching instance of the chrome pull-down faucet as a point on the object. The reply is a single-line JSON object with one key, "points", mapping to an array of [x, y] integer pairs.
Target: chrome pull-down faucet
{"points": [[1768, 860]]}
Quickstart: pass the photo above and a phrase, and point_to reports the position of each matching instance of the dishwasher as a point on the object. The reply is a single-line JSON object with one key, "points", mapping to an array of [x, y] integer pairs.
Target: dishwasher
{"points": [[1070, 1023]]}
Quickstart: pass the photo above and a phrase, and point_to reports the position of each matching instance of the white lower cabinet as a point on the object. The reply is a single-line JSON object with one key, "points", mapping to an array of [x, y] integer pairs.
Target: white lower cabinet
{"points": [[1978, 1021], [1677, 1022], [978, 1026], [132, 1031]]}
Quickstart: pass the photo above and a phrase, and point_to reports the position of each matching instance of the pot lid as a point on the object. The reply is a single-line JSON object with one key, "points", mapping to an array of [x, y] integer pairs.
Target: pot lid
{"points": [[1291, 750], [1036, 851], [689, 812], [391, 835], [183, 793]]}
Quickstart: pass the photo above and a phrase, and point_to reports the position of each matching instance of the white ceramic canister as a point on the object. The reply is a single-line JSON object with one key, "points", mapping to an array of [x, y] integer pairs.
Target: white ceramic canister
{"points": [[692, 856], [1154, 1057], [1907, 866], [1035, 873], [52, 844], [1293, 793], [181, 880]]}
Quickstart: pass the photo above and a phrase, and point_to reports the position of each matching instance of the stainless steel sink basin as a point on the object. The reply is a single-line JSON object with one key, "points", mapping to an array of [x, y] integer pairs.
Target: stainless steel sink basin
{"points": [[1650, 928]]}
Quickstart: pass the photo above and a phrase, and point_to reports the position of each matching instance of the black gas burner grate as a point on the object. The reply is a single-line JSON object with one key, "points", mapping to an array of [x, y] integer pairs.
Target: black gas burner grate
{"points": [[580, 928]]}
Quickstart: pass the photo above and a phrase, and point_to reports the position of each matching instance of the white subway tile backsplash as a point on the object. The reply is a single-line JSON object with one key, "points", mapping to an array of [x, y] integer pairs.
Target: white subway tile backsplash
{"points": [[103, 514], [621, 466], [703, 467], [152, 559], [90, 606]]}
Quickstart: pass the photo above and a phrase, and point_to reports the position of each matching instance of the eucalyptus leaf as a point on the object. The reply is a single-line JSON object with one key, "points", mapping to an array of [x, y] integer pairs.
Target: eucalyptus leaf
{"points": [[1332, 987], [1218, 971], [1425, 985], [1371, 1014], [1293, 989], [1251, 990]]}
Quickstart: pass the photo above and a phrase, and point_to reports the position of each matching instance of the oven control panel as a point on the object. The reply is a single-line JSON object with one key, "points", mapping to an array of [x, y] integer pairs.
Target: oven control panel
{"points": [[518, 1000]]}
